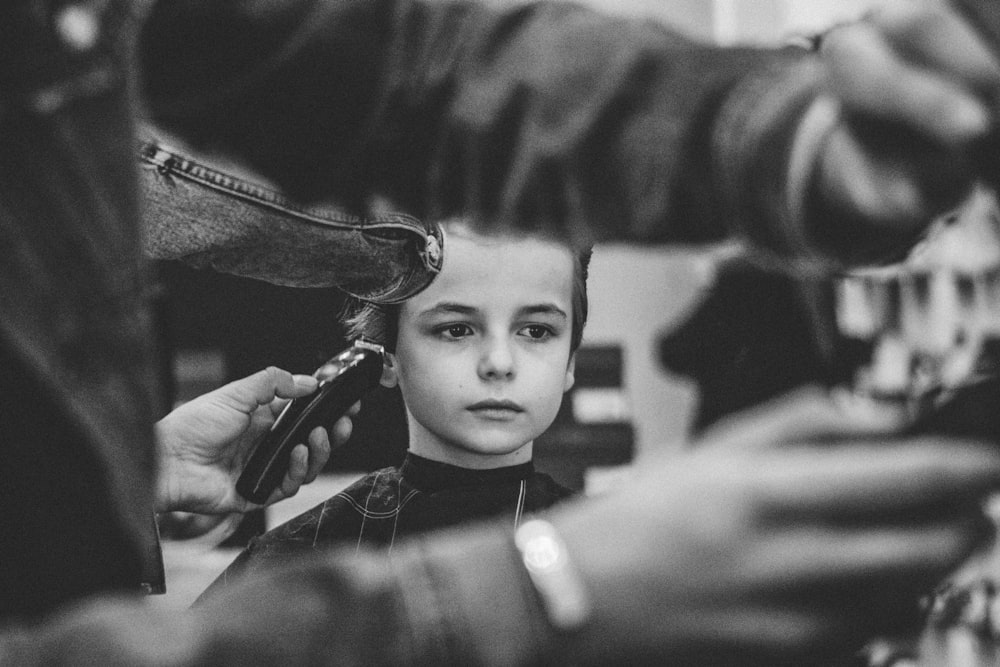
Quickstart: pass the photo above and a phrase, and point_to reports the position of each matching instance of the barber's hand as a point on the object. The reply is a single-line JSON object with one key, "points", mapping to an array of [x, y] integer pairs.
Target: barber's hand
{"points": [[204, 443], [918, 89], [789, 536]]}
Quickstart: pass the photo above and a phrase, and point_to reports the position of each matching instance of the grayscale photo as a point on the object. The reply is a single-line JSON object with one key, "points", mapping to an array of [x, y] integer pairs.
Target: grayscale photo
{"points": [[500, 333]]}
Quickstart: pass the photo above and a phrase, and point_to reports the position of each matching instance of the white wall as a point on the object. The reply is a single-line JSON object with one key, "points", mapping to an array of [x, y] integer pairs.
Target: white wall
{"points": [[636, 294]]}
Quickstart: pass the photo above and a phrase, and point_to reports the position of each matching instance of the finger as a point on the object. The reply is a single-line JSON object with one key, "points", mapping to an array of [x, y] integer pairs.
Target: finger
{"points": [[934, 37], [342, 429], [748, 632], [868, 75], [819, 556], [319, 453], [806, 414], [891, 179], [264, 386], [853, 481], [354, 410], [298, 468]]}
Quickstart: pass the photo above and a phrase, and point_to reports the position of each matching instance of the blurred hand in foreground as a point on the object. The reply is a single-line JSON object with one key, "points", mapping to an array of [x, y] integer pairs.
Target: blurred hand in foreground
{"points": [[790, 535]]}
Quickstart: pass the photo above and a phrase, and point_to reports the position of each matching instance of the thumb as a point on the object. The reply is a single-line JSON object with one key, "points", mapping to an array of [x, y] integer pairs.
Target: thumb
{"points": [[251, 392]]}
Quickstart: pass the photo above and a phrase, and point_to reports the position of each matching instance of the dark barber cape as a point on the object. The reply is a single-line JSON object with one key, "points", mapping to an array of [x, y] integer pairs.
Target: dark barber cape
{"points": [[387, 505]]}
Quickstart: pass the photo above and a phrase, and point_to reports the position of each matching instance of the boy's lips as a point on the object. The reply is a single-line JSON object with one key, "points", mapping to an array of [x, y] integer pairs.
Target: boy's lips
{"points": [[499, 405]]}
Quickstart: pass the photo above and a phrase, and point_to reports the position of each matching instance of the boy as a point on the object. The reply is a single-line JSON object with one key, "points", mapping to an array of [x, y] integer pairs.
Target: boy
{"points": [[482, 357]]}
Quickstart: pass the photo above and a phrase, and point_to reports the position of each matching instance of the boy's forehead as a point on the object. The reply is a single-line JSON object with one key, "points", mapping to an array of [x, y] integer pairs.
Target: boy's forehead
{"points": [[506, 267]]}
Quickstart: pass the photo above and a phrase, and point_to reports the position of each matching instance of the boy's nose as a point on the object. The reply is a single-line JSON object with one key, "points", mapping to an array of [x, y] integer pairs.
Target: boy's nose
{"points": [[497, 361]]}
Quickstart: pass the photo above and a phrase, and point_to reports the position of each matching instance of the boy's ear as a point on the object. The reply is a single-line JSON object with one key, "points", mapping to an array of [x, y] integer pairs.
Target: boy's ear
{"points": [[389, 377], [570, 373]]}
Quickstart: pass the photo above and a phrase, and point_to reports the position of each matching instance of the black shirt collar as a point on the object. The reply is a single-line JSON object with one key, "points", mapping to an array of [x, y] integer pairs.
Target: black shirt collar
{"points": [[428, 475]]}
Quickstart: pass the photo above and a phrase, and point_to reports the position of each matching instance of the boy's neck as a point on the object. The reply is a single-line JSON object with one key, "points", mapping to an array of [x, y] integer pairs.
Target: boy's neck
{"points": [[441, 453]]}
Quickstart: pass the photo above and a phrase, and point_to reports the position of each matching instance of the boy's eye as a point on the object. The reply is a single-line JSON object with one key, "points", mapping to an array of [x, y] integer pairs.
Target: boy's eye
{"points": [[456, 331], [536, 331]]}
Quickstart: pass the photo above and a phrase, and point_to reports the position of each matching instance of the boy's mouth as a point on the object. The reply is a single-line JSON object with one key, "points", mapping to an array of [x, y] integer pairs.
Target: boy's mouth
{"points": [[495, 406]]}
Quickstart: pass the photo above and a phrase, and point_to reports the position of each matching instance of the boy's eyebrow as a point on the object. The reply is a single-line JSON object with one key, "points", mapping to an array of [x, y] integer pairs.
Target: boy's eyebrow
{"points": [[446, 307], [449, 307], [544, 309]]}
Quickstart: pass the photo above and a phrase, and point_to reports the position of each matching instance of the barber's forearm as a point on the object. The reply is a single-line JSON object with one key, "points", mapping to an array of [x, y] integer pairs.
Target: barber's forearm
{"points": [[466, 599], [459, 597], [454, 598], [544, 115], [452, 602]]}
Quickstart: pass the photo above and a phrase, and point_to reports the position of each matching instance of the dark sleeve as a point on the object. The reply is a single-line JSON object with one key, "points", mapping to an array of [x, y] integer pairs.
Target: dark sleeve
{"points": [[543, 115], [424, 607]]}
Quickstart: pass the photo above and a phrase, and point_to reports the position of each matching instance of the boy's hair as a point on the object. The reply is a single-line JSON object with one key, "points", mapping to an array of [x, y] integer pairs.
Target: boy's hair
{"points": [[380, 322]]}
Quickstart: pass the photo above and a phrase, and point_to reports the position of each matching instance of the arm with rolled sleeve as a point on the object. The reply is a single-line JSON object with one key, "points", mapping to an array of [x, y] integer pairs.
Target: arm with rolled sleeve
{"points": [[542, 115]]}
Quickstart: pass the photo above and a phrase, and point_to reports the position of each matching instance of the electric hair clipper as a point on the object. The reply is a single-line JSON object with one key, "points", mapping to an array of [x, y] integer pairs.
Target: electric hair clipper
{"points": [[343, 380]]}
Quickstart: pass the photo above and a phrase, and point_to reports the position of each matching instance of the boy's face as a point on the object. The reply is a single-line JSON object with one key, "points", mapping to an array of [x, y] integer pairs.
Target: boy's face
{"points": [[483, 354]]}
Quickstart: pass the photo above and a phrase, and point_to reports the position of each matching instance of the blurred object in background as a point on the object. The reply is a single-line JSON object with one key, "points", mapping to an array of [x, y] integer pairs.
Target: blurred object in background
{"points": [[593, 428], [933, 326], [932, 323]]}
